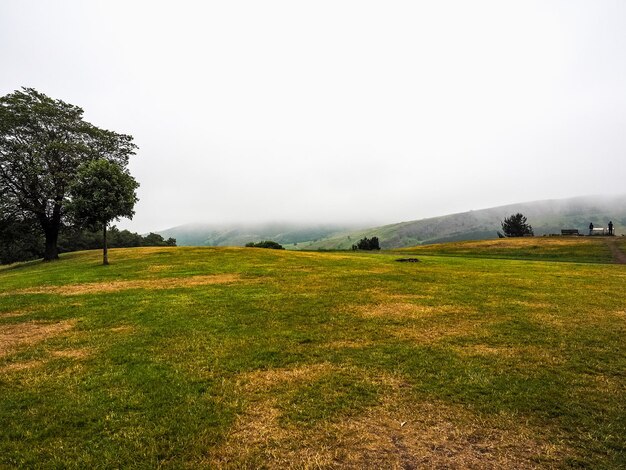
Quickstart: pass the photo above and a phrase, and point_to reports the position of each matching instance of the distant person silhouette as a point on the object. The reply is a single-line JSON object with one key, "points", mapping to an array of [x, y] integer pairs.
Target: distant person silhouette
{"points": [[610, 227], [590, 228]]}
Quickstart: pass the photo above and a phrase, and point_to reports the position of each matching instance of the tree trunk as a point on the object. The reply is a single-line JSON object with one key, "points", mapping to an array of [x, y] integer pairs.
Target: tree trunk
{"points": [[51, 252], [105, 251]]}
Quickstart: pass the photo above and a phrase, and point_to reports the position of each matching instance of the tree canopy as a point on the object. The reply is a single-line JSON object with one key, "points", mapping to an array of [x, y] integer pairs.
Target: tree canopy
{"points": [[367, 244], [100, 193], [43, 142], [516, 226]]}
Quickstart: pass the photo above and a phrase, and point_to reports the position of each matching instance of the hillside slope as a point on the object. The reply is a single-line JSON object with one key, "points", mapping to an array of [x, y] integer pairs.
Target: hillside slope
{"points": [[545, 216], [240, 234]]}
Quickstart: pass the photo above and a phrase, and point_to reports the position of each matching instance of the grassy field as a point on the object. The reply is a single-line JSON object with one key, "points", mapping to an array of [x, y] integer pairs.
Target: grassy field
{"points": [[573, 249], [246, 358]]}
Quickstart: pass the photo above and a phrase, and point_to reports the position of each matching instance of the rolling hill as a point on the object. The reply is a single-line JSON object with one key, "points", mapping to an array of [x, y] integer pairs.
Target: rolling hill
{"points": [[545, 216], [240, 234]]}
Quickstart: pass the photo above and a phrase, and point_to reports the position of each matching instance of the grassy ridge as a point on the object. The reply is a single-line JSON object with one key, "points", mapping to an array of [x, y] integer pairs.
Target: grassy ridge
{"points": [[245, 357], [572, 249]]}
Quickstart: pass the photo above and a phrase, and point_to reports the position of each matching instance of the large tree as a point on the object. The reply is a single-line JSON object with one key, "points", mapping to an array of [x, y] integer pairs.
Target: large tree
{"points": [[102, 192], [43, 142]]}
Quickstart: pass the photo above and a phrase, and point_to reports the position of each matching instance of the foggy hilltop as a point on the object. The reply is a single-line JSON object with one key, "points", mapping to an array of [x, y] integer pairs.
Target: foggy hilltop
{"points": [[549, 216]]}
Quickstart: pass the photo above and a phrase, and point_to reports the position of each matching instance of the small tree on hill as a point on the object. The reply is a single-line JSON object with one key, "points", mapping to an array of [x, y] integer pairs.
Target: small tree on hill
{"points": [[516, 226], [367, 244], [102, 192]]}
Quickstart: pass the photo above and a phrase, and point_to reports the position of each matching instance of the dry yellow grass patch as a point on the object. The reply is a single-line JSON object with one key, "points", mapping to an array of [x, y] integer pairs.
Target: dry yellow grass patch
{"points": [[524, 353], [80, 353], [16, 313], [413, 329], [532, 304], [378, 270], [553, 321], [123, 329], [428, 334], [157, 268], [434, 435], [543, 242], [138, 252], [407, 310], [152, 284], [319, 255], [396, 434], [27, 333], [263, 379], [18, 366], [383, 296], [348, 344], [75, 354]]}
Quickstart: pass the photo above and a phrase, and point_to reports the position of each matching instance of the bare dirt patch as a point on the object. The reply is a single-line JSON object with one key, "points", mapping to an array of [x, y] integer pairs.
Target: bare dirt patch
{"points": [[152, 284], [397, 433], [28, 333]]}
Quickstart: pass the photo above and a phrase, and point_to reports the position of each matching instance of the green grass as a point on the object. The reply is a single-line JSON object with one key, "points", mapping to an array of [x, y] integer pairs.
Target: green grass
{"points": [[296, 359]]}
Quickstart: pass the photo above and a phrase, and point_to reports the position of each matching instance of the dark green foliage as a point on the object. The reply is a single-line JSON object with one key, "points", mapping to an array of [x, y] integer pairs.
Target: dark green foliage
{"points": [[367, 244], [42, 144], [102, 192], [265, 244], [516, 226], [154, 239], [22, 240]]}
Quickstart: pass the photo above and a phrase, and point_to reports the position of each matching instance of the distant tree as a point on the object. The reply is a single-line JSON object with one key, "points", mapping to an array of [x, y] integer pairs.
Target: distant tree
{"points": [[102, 192], [367, 244], [265, 244], [154, 239], [125, 239], [42, 143], [516, 226]]}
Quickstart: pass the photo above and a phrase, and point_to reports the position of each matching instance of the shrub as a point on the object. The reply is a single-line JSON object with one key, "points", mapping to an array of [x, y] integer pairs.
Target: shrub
{"points": [[367, 244], [265, 244]]}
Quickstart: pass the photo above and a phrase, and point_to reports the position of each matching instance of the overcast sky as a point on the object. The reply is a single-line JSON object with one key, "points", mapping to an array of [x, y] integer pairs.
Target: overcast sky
{"points": [[337, 111]]}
